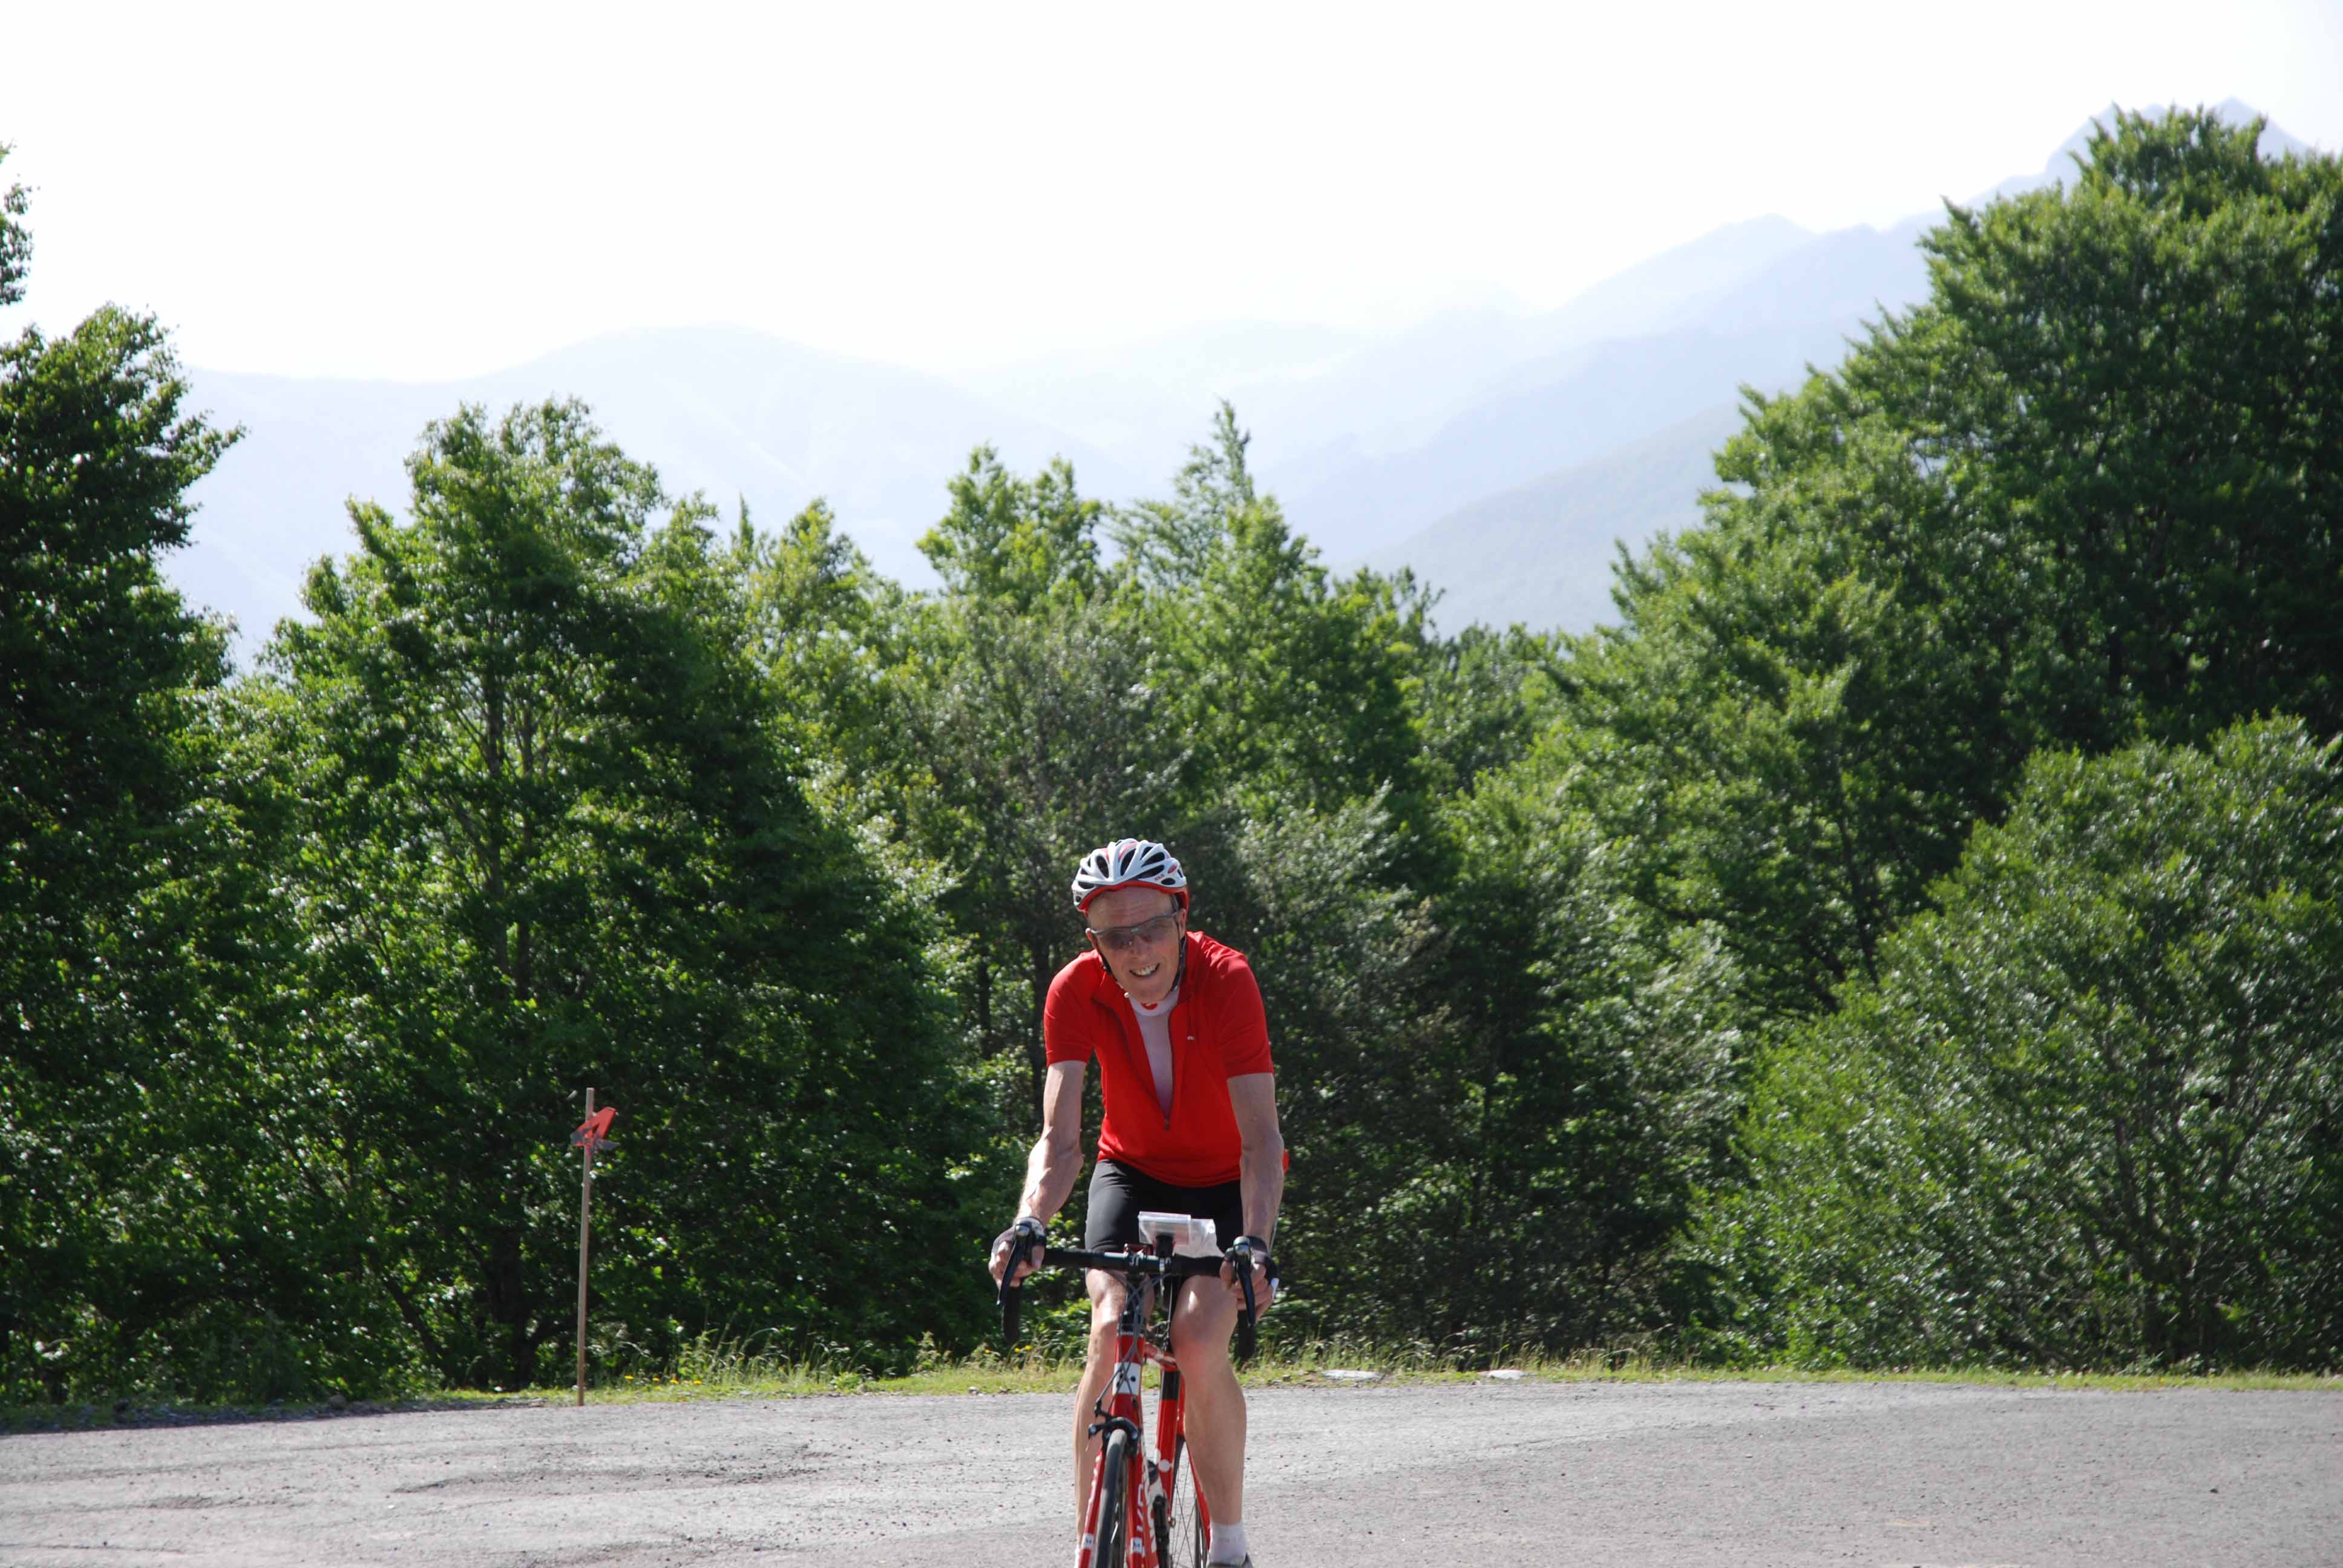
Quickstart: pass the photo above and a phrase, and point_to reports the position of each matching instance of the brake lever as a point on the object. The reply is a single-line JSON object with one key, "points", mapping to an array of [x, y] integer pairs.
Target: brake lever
{"points": [[1241, 1256], [1012, 1294]]}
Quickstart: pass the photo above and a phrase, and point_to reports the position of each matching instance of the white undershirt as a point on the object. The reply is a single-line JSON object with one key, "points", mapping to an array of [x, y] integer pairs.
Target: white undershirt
{"points": [[1155, 1029]]}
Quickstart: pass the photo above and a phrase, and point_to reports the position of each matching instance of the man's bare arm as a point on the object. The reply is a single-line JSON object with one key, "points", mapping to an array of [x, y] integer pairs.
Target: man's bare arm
{"points": [[1057, 1156], [1262, 1168], [1056, 1160]]}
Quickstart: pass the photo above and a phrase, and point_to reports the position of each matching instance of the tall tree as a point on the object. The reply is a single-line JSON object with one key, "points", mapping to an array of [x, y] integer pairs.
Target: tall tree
{"points": [[15, 238], [103, 677], [2125, 391], [828, 632], [2089, 486], [2088, 1115], [1168, 544], [1294, 684], [1033, 708], [558, 840]]}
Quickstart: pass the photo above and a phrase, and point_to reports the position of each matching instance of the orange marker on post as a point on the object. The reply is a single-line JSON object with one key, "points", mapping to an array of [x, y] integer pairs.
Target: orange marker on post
{"points": [[592, 1133]]}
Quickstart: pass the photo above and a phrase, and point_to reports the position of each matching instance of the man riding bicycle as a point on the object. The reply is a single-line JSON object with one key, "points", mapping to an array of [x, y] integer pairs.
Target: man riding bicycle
{"points": [[1176, 1022]]}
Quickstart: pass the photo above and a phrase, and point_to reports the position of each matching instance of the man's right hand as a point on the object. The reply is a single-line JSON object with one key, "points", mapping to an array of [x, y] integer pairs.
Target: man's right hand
{"points": [[1026, 1229]]}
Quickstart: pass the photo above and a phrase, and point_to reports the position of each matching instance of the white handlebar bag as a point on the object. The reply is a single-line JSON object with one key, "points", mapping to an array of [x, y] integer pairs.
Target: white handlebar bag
{"points": [[1193, 1235]]}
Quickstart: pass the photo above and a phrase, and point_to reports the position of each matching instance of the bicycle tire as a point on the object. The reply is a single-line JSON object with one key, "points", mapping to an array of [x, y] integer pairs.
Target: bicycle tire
{"points": [[1180, 1536], [1113, 1550]]}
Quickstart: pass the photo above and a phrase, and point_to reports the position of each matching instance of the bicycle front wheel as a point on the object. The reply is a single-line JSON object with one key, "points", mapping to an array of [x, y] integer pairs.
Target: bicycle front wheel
{"points": [[1114, 1504], [1179, 1534]]}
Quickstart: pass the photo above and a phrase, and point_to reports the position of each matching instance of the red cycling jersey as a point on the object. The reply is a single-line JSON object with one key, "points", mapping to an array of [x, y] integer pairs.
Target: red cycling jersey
{"points": [[1219, 1031]]}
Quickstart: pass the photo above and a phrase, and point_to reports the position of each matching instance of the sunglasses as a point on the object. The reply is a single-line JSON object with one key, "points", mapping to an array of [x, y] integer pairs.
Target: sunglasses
{"points": [[1129, 939]]}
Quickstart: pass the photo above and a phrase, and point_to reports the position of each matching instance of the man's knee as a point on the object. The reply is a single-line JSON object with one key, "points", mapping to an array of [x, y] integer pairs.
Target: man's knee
{"points": [[1200, 1328], [1106, 1317]]}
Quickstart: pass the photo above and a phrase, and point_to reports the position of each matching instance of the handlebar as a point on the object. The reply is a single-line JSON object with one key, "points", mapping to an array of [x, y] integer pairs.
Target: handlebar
{"points": [[1135, 1264]]}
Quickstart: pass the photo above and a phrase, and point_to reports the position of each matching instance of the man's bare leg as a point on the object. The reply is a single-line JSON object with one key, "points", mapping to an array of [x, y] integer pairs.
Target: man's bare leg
{"points": [[1106, 1312], [1215, 1405]]}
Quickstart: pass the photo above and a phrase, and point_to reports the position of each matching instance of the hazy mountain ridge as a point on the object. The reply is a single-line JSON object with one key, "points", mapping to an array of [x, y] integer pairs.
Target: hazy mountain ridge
{"points": [[1614, 394], [733, 413], [1341, 399], [1431, 447], [1542, 552], [1481, 554]]}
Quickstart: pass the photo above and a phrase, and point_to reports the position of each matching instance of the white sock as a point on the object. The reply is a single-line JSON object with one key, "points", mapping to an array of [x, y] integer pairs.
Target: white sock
{"points": [[1227, 1544]]}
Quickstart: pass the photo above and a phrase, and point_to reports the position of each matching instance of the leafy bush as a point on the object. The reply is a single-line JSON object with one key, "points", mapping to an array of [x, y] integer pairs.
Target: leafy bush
{"points": [[2091, 1112]]}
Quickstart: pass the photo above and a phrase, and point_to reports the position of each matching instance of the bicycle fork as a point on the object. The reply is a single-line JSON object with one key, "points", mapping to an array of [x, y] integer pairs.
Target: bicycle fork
{"points": [[1104, 1428]]}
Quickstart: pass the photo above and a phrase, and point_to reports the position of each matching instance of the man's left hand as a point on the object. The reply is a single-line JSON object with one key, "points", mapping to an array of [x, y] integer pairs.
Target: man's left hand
{"points": [[1264, 1287]]}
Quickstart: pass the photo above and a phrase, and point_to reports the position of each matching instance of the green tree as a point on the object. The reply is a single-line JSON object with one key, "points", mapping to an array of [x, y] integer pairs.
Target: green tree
{"points": [[1430, 1084], [2124, 391], [828, 632], [15, 238], [1591, 1069], [1015, 542], [1782, 742], [2087, 487], [1032, 710], [556, 839], [1295, 686], [1479, 701], [2087, 1114], [103, 844], [1345, 959], [1167, 545]]}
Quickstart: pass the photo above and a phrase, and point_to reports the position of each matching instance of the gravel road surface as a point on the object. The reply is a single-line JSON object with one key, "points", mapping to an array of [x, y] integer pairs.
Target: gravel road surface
{"points": [[1488, 1475]]}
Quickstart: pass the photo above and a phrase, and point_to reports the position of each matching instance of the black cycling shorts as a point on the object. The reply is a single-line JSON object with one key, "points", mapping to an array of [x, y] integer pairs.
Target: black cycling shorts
{"points": [[1119, 1195]]}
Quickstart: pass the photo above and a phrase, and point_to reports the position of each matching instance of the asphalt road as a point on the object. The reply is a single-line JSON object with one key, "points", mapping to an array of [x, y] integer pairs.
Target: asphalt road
{"points": [[1489, 1475]]}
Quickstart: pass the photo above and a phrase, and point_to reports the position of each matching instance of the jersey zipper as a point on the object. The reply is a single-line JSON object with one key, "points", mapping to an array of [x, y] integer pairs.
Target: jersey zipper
{"points": [[1134, 1038]]}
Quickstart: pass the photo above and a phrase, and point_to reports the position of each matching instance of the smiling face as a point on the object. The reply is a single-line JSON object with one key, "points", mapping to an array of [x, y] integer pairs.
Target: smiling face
{"points": [[1142, 948]]}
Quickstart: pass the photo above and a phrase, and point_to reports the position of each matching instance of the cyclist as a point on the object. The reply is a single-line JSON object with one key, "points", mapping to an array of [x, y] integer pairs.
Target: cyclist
{"points": [[1176, 1022]]}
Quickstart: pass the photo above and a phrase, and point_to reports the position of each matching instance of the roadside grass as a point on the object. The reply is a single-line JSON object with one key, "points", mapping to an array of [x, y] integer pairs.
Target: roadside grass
{"points": [[727, 1372], [1060, 1375], [734, 1375]]}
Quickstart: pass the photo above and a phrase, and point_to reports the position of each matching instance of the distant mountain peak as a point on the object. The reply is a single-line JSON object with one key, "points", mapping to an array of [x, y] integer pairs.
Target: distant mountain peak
{"points": [[2275, 143]]}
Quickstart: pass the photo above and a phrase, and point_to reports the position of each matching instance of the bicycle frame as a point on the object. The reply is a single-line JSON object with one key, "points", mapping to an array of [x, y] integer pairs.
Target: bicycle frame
{"points": [[1151, 1479], [1148, 1482]]}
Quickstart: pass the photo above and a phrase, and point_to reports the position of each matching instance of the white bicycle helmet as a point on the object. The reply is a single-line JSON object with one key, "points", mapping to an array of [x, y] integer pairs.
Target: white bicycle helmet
{"points": [[1129, 863]]}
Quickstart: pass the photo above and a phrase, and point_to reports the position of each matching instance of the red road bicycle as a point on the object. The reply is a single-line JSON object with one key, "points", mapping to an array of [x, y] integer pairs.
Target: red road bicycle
{"points": [[1143, 1511]]}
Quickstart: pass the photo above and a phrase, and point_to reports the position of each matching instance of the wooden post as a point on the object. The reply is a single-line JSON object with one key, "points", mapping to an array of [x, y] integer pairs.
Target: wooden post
{"points": [[585, 1230]]}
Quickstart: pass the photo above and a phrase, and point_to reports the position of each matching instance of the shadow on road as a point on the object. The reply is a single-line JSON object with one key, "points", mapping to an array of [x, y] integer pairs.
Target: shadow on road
{"points": [[53, 1421]]}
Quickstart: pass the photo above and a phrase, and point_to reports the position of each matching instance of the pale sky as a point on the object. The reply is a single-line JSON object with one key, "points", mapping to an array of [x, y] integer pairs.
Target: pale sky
{"points": [[426, 191]]}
